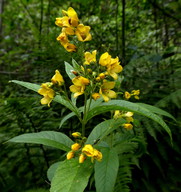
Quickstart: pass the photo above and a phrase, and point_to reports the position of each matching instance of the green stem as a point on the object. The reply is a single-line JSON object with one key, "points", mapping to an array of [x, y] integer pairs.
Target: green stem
{"points": [[66, 95], [84, 116]]}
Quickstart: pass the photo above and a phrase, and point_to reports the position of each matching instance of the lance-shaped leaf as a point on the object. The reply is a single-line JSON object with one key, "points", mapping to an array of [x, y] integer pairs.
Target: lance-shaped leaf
{"points": [[156, 110], [71, 176], [103, 129], [127, 106], [50, 138], [52, 169], [106, 171], [69, 69], [58, 98]]}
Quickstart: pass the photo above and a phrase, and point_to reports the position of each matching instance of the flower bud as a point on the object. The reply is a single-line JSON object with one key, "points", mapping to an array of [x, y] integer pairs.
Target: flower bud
{"points": [[82, 158], [128, 126], [75, 146], [98, 78], [70, 155], [76, 134], [102, 75]]}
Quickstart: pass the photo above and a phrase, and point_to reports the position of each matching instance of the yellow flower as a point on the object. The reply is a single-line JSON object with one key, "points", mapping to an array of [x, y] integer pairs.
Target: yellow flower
{"points": [[72, 15], [97, 155], [63, 38], [79, 85], [105, 59], [106, 91], [127, 95], [128, 126], [82, 158], [117, 114], [96, 96], [75, 147], [68, 30], [70, 155], [135, 93], [128, 114], [62, 21], [129, 117], [91, 152], [90, 57], [114, 67], [70, 47], [76, 134], [88, 150], [47, 92], [57, 79], [82, 33]]}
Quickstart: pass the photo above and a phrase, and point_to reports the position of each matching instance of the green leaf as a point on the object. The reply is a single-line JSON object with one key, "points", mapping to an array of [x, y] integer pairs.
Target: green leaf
{"points": [[127, 106], [52, 169], [58, 98], [69, 69], [49, 138], [106, 171], [71, 176], [75, 64], [31, 86], [156, 110], [103, 129], [64, 119]]}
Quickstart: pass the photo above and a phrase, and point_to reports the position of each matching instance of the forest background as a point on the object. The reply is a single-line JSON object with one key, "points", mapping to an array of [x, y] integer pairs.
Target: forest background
{"points": [[144, 34]]}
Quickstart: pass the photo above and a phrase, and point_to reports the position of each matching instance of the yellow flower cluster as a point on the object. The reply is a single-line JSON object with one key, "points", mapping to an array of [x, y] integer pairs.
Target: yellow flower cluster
{"points": [[70, 27], [83, 152], [134, 93], [96, 74], [125, 115], [47, 88]]}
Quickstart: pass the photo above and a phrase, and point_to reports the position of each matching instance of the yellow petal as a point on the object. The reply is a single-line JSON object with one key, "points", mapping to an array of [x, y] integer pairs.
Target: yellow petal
{"points": [[74, 88], [70, 47], [88, 150], [105, 97], [46, 100], [57, 78], [96, 96], [105, 59], [108, 85], [82, 33], [68, 30], [111, 94]]}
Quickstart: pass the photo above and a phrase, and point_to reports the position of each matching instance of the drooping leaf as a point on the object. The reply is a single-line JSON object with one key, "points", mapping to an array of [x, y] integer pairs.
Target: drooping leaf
{"points": [[106, 171], [64, 119], [68, 116], [127, 106], [58, 98], [156, 110], [103, 129], [52, 169], [71, 176], [49, 138]]}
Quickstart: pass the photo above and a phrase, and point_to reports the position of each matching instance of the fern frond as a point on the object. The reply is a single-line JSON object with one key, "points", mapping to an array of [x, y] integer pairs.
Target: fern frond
{"points": [[174, 98], [124, 174]]}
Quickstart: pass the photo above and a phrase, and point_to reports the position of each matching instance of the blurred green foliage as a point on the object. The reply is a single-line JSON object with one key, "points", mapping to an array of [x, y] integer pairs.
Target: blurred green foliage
{"points": [[29, 52]]}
